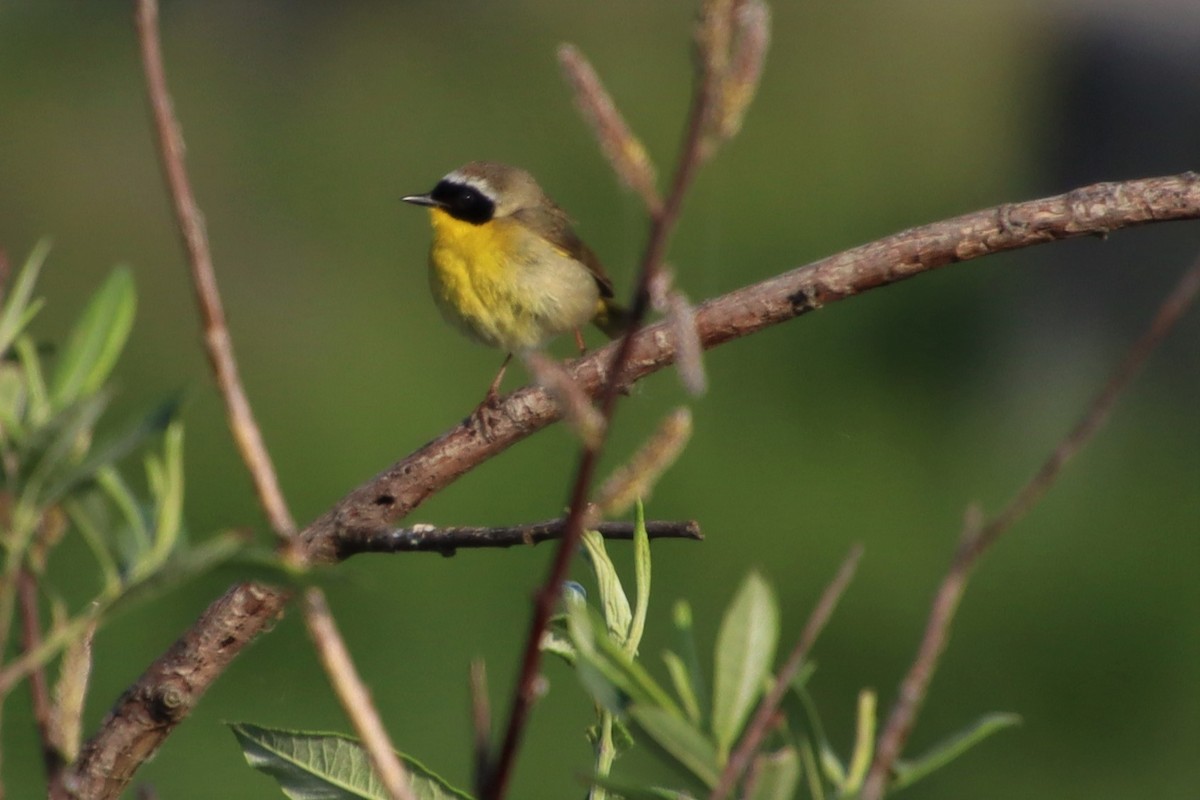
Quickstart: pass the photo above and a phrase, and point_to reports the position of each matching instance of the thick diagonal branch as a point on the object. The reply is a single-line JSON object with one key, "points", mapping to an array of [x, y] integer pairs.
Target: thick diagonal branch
{"points": [[148, 711]]}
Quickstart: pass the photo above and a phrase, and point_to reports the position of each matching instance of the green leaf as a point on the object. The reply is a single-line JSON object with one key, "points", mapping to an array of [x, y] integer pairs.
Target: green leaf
{"points": [[681, 740], [831, 766], [167, 486], [149, 580], [607, 671], [908, 772], [18, 309], [641, 566], [37, 403], [681, 618], [683, 687], [80, 512], [62, 444], [96, 341], [329, 766], [776, 775], [745, 650], [115, 448], [816, 787], [864, 743], [613, 601]]}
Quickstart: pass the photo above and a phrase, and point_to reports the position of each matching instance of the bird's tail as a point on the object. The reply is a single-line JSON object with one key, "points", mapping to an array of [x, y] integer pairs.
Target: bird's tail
{"points": [[612, 318]]}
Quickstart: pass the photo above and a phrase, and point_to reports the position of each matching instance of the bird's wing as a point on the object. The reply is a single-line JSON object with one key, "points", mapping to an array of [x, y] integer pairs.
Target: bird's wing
{"points": [[553, 225]]}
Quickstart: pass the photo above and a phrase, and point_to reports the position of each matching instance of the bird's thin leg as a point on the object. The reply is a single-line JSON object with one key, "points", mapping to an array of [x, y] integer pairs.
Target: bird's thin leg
{"points": [[493, 392], [579, 341], [486, 415]]}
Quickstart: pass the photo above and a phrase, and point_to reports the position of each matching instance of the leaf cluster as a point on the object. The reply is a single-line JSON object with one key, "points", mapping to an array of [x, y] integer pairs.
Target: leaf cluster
{"points": [[61, 475]]}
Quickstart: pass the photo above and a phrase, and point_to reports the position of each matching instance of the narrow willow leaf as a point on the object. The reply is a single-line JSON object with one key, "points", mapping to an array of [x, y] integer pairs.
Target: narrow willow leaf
{"points": [[683, 687], [681, 740], [641, 566], [12, 398], [96, 341], [686, 650], [910, 771], [864, 743], [329, 766], [776, 775], [745, 650], [831, 766], [37, 403], [816, 787], [133, 539], [617, 615], [81, 515], [556, 642], [168, 517], [637, 792], [62, 443], [604, 666], [115, 448], [18, 307]]}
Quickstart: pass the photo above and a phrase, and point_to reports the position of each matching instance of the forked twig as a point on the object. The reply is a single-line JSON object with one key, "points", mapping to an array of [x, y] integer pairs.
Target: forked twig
{"points": [[978, 536]]}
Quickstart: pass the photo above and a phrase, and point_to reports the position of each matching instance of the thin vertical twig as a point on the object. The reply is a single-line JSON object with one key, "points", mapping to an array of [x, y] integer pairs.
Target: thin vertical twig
{"points": [[353, 694], [768, 708], [481, 724], [662, 226], [317, 617], [977, 536], [39, 689], [217, 343]]}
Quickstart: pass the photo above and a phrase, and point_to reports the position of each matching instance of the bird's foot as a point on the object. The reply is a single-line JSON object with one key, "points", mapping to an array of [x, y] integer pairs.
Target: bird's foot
{"points": [[486, 418]]}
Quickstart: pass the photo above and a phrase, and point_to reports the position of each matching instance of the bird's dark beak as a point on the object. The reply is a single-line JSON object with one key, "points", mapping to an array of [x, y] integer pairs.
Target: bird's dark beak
{"points": [[421, 200]]}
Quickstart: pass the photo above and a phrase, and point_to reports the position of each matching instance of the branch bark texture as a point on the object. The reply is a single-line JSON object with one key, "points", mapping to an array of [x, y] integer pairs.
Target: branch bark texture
{"points": [[148, 711]]}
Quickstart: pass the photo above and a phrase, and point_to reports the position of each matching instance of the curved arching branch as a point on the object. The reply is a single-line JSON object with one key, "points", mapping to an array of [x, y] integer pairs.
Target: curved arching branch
{"points": [[164, 695]]}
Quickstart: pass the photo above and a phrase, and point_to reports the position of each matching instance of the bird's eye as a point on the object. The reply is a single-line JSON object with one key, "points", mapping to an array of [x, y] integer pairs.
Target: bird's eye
{"points": [[464, 202]]}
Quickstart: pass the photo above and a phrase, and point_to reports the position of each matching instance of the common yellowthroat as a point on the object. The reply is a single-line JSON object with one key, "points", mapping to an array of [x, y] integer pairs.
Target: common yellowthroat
{"points": [[505, 265]]}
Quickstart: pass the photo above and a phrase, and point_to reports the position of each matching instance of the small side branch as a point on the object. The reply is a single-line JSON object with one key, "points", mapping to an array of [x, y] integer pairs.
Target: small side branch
{"points": [[978, 536], [428, 538]]}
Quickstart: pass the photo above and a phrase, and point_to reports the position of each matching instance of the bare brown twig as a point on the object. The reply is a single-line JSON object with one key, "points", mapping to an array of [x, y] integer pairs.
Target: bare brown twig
{"points": [[428, 538], [978, 536], [219, 347], [481, 724], [353, 695], [164, 695], [39, 689], [662, 225], [768, 708], [217, 343]]}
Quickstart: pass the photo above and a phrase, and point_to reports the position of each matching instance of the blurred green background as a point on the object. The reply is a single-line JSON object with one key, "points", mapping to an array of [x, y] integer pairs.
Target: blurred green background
{"points": [[873, 421]]}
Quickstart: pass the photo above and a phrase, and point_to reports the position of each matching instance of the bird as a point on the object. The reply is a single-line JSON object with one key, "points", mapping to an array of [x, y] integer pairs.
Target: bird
{"points": [[506, 266]]}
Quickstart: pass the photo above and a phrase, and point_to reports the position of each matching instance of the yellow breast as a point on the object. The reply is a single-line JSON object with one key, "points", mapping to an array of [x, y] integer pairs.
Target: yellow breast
{"points": [[505, 286]]}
